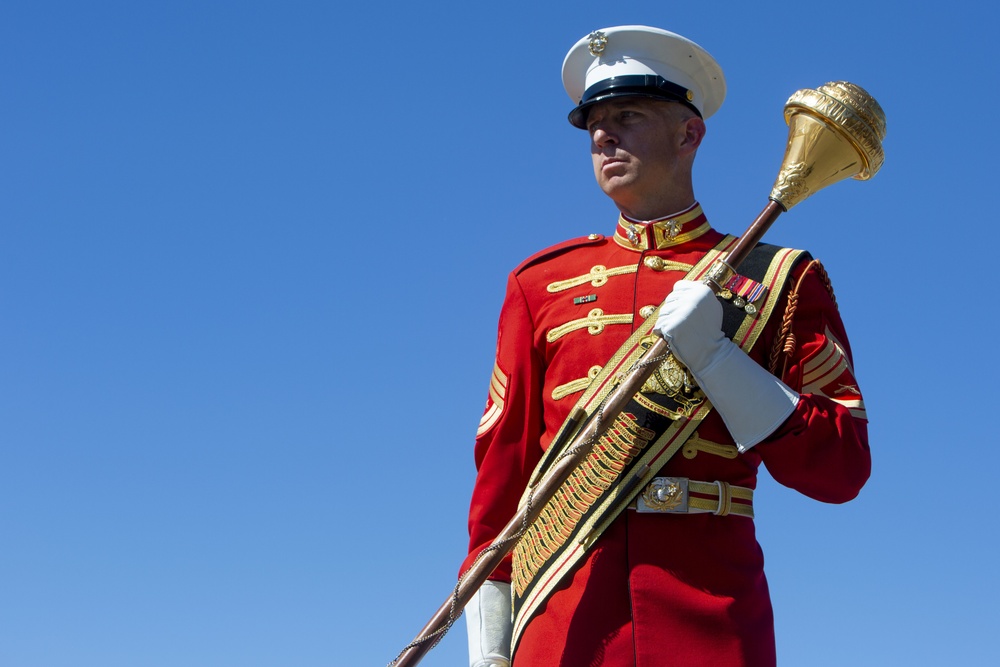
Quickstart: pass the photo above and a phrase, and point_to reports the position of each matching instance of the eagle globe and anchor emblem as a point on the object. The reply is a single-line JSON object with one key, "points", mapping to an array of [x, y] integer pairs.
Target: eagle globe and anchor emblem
{"points": [[598, 42]]}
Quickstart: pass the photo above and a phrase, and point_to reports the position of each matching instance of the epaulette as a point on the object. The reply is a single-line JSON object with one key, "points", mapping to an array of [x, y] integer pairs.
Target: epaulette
{"points": [[557, 249]]}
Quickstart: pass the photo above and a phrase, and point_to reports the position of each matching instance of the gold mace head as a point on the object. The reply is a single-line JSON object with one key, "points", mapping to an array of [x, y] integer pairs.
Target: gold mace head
{"points": [[834, 132]]}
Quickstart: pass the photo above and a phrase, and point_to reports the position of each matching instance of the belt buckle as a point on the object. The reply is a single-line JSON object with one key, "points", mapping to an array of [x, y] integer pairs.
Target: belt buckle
{"points": [[664, 495]]}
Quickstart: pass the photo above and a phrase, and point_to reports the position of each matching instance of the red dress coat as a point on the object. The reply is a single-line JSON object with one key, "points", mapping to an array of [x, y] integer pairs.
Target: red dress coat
{"points": [[656, 589]]}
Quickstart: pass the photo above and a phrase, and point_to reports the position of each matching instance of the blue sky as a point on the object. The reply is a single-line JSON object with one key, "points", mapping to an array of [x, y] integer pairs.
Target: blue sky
{"points": [[251, 260]]}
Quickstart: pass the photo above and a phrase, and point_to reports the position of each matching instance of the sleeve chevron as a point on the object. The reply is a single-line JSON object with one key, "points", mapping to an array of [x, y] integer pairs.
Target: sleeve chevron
{"points": [[830, 373], [495, 402]]}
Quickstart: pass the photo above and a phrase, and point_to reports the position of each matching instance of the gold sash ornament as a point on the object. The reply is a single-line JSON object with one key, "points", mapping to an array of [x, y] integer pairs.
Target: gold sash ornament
{"points": [[650, 430]]}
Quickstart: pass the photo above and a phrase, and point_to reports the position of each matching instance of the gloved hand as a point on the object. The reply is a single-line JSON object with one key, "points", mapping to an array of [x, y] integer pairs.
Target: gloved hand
{"points": [[691, 321], [490, 625], [751, 401]]}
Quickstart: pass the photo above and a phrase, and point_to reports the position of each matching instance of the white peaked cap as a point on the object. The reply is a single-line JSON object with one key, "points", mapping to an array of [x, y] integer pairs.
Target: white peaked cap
{"points": [[638, 61]]}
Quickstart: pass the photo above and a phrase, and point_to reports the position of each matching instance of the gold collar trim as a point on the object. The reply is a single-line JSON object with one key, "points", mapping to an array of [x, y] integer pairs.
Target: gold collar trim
{"points": [[663, 233]]}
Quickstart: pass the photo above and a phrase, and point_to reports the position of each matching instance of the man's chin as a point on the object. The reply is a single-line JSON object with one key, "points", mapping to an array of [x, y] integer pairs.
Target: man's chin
{"points": [[617, 187]]}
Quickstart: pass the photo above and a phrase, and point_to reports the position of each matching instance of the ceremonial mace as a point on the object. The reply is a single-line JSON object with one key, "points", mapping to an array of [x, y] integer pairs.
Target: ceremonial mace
{"points": [[834, 132]]}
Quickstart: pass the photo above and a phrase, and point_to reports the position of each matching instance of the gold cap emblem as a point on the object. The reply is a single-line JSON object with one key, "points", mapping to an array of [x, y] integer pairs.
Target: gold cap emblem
{"points": [[598, 42]]}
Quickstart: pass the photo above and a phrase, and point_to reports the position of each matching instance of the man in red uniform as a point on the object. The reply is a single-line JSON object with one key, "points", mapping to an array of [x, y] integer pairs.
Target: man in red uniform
{"points": [[767, 377]]}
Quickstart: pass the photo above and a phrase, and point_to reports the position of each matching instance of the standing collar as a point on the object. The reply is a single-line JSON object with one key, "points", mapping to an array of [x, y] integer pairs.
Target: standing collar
{"points": [[663, 232]]}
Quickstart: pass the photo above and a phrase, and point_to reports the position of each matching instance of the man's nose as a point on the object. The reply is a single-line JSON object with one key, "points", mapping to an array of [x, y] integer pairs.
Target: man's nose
{"points": [[601, 137]]}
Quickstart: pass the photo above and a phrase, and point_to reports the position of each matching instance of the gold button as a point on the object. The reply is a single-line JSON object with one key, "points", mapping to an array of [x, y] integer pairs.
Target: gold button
{"points": [[593, 237], [646, 311], [654, 263]]}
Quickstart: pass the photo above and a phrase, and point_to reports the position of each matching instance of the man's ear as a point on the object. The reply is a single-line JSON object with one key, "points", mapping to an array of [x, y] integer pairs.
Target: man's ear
{"points": [[692, 131]]}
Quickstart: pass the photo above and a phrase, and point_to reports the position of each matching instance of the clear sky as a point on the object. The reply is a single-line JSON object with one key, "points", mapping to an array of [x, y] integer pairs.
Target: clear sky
{"points": [[251, 260]]}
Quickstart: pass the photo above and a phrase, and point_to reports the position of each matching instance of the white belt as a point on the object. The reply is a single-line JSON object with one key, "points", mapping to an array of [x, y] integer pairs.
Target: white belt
{"points": [[680, 495]]}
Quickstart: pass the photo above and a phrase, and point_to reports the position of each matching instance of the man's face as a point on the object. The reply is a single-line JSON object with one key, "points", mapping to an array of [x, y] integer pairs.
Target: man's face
{"points": [[642, 151]]}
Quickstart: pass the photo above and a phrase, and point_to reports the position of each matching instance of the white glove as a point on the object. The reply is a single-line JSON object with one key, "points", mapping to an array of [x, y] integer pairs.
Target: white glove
{"points": [[751, 401], [490, 624]]}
